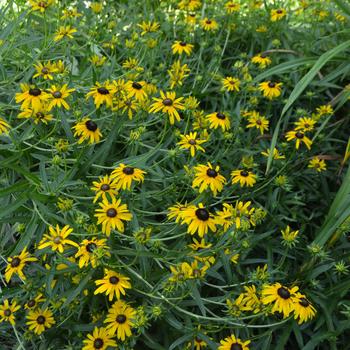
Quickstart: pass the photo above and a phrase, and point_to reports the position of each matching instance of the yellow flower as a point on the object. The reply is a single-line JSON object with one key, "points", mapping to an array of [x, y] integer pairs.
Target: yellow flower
{"points": [[91, 250], [233, 343], [277, 15], [58, 96], [40, 5], [178, 73], [219, 120], [45, 70], [71, 13], [299, 138], [303, 309], [97, 60], [258, 121], [168, 103], [181, 46], [31, 97], [289, 236], [276, 154], [189, 5], [324, 110], [209, 24], [305, 124], [104, 186], [112, 284], [231, 84], [208, 177], [39, 320], [318, 164], [261, 29], [16, 264], [148, 27], [232, 6], [96, 7], [199, 244], [270, 89], [87, 130], [42, 115], [64, 32], [33, 303], [4, 126], [7, 311], [136, 89], [57, 238], [262, 60], [244, 177], [177, 211], [102, 93], [100, 339], [123, 176], [191, 142], [111, 215]]}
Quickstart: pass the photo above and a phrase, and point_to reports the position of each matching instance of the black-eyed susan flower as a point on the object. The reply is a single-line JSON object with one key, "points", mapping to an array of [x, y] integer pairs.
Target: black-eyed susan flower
{"points": [[303, 309], [233, 343], [96, 7], [88, 130], [196, 245], [91, 250], [4, 126], [38, 320], [104, 186], [136, 89], [318, 164], [206, 176], [40, 5], [199, 219], [148, 27], [102, 93], [180, 272], [169, 104], [277, 14], [281, 297], [71, 13], [270, 89], [57, 238], [232, 6], [219, 119], [197, 343], [113, 284], [17, 263], [231, 84], [64, 32], [100, 339], [299, 138], [180, 47], [40, 116], [258, 121], [262, 59], [178, 73], [129, 106], [209, 24], [176, 211], [58, 94], [124, 175], [191, 19], [276, 154], [120, 319], [189, 5], [324, 110], [112, 215], [305, 124], [7, 311], [192, 143], [244, 177], [34, 302], [31, 97], [45, 70]]}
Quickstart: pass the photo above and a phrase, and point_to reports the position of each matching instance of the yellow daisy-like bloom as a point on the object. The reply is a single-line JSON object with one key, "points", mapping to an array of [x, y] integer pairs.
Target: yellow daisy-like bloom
{"points": [[231, 83], [277, 15], [58, 96], [218, 119], [276, 154], [17, 263], [305, 124], [262, 60], [31, 97], [299, 138], [148, 27], [197, 344], [324, 110], [209, 24], [64, 32], [136, 89], [97, 60], [258, 121], [189, 5], [45, 70], [104, 186], [87, 130], [102, 93], [270, 89], [113, 284], [96, 7], [33, 303], [57, 238], [4, 126], [232, 6], [282, 298], [7, 311], [191, 142], [129, 106], [180, 47], [120, 319], [244, 177], [318, 164], [206, 176], [261, 29], [180, 273], [71, 13], [288, 235], [196, 245], [40, 116], [123, 176], [91, 251], [191, 19], [100, 339], [199, 220], [233, 343], [111, 215], [39, 320], [177, 211], [303, 309], [168, 103], [39, 5]]}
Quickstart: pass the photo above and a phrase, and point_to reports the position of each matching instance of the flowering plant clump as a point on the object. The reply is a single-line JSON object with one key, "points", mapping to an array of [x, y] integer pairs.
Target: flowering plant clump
{"points": [[175, 174]]}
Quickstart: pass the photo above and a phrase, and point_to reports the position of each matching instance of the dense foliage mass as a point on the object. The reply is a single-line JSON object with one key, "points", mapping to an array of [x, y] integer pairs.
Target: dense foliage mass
{"points": [[174, 174]]}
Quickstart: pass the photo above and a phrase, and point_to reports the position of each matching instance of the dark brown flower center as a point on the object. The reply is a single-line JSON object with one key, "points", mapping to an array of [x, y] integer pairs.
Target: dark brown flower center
{"points": [[114, 280], [258, 122], [98, 343], [128, 170], [90, 125], [105, 187], [202, 214], [271, 85], [279, 11], [111, 213], [136, 86], [182, 43], [236, 346], [192, 142], [263, 55], [299, 135], [90, 247], [212, 173], [244, 173], [208, 21], [221, 116], [167, 102], [57, 240], [34, 92], [121, 319], [304, 302], [7, 312], [41, 319], [31, 303], [283, 293], [57, 94], [42, 4], [103, 91], [40, 115], [15, 262], [45, 70]]}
